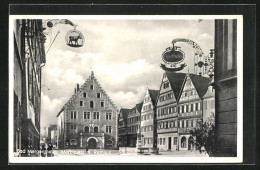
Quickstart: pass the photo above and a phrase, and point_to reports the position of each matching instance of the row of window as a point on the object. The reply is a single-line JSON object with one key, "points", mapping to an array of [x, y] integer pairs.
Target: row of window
{"points": [[167, 124], [98, 95], [161, 141], [88, 115], [147, 107], [91, 104], [188, 93], [147, 128], [189, 123], [146, 117], [133, 128], [166, 97], [189, 108], [133, 119], [73, 129], [148, 141], [166, 110]]}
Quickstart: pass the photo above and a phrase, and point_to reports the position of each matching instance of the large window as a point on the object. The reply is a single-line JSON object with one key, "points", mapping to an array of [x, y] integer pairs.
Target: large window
{"points": [[102, 104], [98, 95], [96, 115], [108, 116], [108, 129], [73, 115], [84, 94]]}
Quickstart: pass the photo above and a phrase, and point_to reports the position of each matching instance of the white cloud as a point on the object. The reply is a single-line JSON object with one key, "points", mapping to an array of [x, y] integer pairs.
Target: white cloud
{"points": [[50, 109], [205, 36]]}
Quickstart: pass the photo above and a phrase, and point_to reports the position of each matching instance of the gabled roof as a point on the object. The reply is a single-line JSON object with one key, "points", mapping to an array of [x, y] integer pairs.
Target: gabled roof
{"points": [[90, 78], [153, 95], [200, 83], [139, 107], [176, 81], [124, 112]]}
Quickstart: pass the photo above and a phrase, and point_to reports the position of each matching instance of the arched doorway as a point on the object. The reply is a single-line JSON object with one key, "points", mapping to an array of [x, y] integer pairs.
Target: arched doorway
{"points": [[92, 143], [183, 142], [96, 129], [86, 129], [190, 143]]}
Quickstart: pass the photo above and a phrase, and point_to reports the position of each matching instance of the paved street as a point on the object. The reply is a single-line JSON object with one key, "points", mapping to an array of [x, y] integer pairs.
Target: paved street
{"points": [[82, 152]]}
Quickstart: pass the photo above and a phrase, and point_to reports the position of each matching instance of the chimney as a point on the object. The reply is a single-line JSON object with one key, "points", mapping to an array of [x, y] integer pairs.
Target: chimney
{"points": [[77, 87]]}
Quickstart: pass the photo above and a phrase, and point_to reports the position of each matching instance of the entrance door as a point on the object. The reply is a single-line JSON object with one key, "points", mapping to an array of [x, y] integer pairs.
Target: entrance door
{"points": [[190, 143], [92, 144], [169, 143]]}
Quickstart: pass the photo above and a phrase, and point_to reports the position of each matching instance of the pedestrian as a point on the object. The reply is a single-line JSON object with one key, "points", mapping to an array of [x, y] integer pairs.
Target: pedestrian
{"points": [[43, 150], [50, 149]]}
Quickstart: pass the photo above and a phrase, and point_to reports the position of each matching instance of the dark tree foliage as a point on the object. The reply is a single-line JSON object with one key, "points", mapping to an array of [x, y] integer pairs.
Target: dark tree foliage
{"points": [[204, 136]]}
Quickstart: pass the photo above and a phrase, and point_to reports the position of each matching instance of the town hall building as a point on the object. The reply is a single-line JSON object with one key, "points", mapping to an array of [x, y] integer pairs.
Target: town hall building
{"points": [[88, 119]]}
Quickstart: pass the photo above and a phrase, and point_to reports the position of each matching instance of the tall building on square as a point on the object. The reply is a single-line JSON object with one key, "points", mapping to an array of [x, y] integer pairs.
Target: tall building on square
{"points": [[122, 127], [29, 58], [193, 107], [89, 119], [148, 119], [167, 112]]}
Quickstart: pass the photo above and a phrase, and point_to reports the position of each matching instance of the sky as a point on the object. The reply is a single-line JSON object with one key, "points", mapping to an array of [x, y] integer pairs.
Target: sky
{"points": [[123, 54]]}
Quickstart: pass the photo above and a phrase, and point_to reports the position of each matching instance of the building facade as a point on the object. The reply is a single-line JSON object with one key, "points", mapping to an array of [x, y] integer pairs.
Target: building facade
{"points": [[122, 127], [167, 112], [148, 119], [191, 107], [89, 119], [29, 58], [226, 86], [133, 124]]}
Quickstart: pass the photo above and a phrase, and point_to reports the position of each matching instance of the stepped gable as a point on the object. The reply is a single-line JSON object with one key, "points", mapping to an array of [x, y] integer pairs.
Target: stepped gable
{"points": [[200, 83], [93, 78], [153, 95], [139, 107], [176, 81]]}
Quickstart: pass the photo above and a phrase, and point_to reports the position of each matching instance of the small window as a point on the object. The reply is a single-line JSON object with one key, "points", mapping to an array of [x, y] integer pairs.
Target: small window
{"points": [[91, 103], [91, 87], [80, 103], [85, 95], [98, 95], [102, 104], [96, 129], [86, 129]]}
